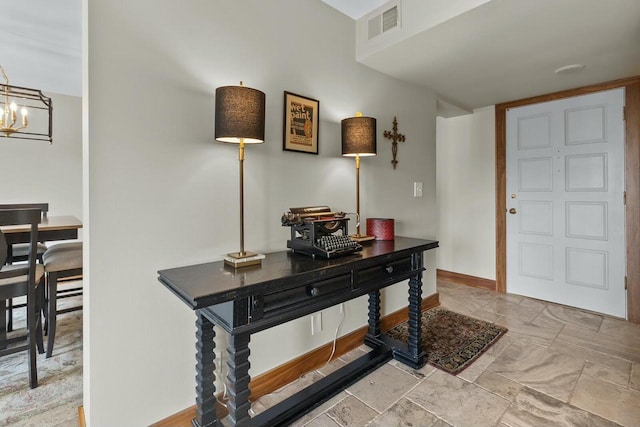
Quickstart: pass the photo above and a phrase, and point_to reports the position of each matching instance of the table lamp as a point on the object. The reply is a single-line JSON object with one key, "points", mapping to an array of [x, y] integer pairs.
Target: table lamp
{"points": [[359, 139], [240, 113]]}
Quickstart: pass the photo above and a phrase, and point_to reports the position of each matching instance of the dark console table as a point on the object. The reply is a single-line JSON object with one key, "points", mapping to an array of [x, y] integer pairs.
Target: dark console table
{"points": [[285, 287]]}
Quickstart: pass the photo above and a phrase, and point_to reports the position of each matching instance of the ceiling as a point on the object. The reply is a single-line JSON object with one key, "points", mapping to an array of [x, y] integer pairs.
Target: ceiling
{"points": [[355, 8], [506, 50], [42, 44], [500, 51]]}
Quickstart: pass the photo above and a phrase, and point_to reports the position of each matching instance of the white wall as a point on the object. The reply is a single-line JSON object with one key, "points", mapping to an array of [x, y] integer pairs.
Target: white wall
{"points": [[36, 172], [416, 16], [466, 193], [159, 191]]}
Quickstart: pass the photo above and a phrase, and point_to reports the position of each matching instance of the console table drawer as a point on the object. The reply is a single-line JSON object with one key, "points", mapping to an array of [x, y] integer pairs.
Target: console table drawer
{"points": [[305, 294], [390, 269]]}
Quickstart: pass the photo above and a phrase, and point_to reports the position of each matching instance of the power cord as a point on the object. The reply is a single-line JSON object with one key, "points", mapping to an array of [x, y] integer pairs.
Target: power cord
{"points": [[335, 337], [333, 351], [222, 368]]}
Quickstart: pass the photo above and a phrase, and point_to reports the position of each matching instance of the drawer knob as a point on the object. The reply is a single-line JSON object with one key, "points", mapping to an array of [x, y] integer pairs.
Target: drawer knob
{"points": [[315, 292], [389, 269]]}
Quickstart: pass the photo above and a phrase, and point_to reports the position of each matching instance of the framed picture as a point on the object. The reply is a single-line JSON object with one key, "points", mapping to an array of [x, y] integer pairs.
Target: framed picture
{"points": [[301, 119]]}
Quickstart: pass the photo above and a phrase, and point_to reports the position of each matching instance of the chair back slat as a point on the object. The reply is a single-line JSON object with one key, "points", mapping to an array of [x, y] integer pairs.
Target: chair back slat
{"points": [[44, 207], [19, 216]]}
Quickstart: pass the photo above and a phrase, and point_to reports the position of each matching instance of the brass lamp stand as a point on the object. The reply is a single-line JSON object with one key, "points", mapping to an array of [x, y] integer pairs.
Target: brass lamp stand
{"points": [[359, 139], [242, 257], [240, 113]]}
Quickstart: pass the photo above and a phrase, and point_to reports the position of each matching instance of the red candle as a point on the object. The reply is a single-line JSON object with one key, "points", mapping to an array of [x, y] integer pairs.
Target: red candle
{"points": [[381, 228]]}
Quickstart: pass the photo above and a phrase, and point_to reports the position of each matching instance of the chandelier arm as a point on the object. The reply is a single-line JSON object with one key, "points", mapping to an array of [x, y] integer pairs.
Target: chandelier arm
{"points": [[4, 75], [6, 85]]}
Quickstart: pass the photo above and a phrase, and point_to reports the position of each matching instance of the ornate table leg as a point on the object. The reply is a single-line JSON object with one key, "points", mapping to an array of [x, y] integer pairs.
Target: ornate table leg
{"points": [[205, 374], [374, 313], [372, 339], [416, 353], [415, 356], [238, 380]]}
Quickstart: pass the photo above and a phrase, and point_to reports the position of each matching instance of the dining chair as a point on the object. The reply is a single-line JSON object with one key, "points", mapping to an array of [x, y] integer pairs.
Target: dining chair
{"points": [[19, 252], [20, 280], [63, 260]]}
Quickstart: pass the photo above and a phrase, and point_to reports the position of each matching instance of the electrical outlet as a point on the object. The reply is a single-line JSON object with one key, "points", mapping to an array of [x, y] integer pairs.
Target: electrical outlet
{"points": [[417, 189], [316, 323]]}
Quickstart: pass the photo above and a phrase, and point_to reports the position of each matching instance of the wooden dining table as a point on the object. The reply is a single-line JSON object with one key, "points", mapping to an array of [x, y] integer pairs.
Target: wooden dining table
{"points": [[51, 228]]}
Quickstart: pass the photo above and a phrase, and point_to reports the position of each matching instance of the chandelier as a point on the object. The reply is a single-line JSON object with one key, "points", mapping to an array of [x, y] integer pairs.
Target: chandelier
{"points": [[30, 103]]}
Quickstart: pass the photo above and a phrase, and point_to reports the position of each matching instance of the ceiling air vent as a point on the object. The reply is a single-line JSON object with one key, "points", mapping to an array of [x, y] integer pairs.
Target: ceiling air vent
{"points": [[384, 22], [390, 19]]}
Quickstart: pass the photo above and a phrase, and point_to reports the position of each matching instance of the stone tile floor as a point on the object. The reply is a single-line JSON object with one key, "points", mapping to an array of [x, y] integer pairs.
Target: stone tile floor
{"points": [[557, 366]]}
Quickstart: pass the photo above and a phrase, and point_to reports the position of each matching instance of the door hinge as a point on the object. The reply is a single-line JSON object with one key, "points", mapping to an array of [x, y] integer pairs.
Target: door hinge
{"points": [[625, 283], [625, 198], [624, 113]]}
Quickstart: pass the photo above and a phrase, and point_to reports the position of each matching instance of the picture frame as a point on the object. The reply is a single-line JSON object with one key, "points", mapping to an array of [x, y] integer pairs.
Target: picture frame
{"points": [[301, 123]]}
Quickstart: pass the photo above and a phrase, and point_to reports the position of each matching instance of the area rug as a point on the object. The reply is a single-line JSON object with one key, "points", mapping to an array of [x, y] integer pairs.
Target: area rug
{"points": [[451, 340]]}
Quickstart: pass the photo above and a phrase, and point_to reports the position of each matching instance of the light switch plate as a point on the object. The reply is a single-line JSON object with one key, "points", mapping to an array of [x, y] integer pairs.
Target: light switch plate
{"points": [[417, 189]]}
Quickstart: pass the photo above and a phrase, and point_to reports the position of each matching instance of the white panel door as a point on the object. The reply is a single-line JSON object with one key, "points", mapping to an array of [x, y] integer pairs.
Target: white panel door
{"points": [[565, 202]]}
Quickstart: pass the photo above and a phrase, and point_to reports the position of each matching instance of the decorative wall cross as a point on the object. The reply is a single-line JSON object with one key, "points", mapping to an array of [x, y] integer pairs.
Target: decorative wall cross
{"points": [[395, 137]]}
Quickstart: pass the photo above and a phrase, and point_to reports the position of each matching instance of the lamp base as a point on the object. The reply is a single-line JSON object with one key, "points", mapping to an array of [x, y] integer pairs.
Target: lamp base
{"points": [[243, 259], [361, 237]]}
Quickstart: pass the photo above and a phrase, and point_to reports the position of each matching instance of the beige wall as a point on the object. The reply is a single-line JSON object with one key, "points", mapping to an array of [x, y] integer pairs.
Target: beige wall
{"points": [[416, 16], [36, 172], [159, 192], [466, 193]]}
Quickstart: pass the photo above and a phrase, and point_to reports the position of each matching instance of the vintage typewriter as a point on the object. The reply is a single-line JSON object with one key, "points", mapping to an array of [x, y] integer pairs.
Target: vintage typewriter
{"points": [[318, 232]]}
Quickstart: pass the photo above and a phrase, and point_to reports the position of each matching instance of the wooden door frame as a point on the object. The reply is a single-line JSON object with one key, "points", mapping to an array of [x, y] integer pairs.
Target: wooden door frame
{"points": [[632, 182]]}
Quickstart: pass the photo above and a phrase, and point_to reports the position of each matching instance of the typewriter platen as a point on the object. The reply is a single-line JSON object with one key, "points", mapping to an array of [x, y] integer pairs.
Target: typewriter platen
{"points": [[318, 232]]}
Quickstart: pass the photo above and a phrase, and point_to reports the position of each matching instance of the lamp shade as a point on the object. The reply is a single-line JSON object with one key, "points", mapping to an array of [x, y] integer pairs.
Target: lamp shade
{"points": [[359, 136], [240, 114]]}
